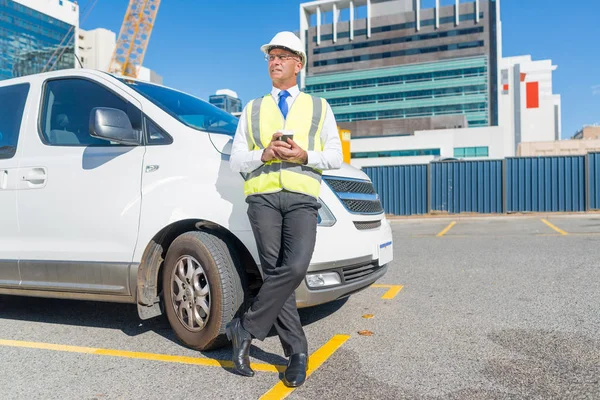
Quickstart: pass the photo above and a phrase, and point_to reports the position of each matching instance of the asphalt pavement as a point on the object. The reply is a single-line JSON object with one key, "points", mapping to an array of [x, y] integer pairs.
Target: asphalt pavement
{"points": [[471, 308]]}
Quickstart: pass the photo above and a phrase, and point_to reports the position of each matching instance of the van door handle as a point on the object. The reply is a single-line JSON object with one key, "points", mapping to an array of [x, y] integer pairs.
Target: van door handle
{"points": [[36, 176], [3, 179]]}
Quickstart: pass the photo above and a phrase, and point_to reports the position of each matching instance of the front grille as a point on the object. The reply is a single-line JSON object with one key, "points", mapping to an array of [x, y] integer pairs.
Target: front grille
{"points": [[363, 206], [347, 186], [363, 225], [352, 274], [359, 196]]}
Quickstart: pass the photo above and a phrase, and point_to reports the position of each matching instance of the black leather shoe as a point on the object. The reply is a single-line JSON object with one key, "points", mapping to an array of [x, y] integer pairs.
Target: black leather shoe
{"points": [[241, 339], [295, 374]]}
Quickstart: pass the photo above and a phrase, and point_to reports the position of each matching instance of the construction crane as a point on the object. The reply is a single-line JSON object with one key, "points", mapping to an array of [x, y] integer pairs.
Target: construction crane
{"points": [[133, 38]]}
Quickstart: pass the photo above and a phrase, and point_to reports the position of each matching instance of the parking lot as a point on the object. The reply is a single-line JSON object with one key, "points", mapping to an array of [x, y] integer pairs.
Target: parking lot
{"points": [[471, 308]]}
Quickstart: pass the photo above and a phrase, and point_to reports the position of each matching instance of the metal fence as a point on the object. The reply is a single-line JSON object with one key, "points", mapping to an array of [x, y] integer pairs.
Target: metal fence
{"points": [[474, 186], [402, 188], [545, 184], [517, 184], [593, 168]]}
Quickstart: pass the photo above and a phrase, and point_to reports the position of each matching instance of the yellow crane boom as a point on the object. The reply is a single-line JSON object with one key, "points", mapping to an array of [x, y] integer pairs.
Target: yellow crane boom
{"points": [[133, 37]]}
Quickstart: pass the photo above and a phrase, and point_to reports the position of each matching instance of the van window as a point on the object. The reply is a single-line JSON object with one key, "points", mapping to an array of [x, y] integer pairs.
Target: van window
{"points": [[155, 135], [190, 110], [67, 107], [12, 99]]}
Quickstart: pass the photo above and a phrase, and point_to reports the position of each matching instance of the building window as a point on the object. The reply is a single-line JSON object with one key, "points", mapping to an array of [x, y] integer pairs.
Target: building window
{"points": [[396, 27], [410, 95], [399, 79], [414, 38], [400, 53], [466, 152]]}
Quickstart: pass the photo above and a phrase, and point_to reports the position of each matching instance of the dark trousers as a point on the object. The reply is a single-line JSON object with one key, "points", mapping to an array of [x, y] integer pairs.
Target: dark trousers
{"points": [[285, 229]]}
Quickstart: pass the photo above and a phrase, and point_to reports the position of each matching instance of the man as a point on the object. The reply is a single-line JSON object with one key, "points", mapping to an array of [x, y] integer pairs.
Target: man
{"points": [[282, 188]]}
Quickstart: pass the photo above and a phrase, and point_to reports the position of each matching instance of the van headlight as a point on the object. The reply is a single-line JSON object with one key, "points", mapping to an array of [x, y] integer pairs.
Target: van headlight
{"points": [[323, 280], [325, 216]]}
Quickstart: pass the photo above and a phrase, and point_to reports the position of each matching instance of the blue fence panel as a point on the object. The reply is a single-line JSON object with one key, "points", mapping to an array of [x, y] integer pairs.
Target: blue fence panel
{"points": [[548, 184], [594, 180], [401, 188], [467, 186]]}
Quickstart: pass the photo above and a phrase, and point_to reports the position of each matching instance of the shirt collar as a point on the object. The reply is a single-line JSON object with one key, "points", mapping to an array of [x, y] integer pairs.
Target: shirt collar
{"points": [[293, 91]]}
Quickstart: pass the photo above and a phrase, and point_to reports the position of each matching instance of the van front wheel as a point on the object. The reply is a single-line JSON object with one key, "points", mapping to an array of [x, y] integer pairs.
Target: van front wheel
{"points": [[203, 290]]}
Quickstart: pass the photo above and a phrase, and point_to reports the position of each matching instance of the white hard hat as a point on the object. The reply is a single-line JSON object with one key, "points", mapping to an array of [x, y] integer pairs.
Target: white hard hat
{"points": [[289, 41]]}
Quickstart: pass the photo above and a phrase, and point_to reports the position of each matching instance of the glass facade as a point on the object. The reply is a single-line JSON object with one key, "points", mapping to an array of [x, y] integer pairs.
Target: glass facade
{"points": [[465, 152], [458, 86], [400, 53], [31, 41], [409, 95], [399, 79], [227, 103]]}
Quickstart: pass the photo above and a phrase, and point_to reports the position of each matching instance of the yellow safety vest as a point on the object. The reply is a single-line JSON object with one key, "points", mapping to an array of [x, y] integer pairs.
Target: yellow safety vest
{"points": [[305, 118]]}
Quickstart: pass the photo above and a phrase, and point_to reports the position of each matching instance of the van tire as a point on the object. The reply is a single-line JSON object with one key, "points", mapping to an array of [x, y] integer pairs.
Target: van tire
{"points": [[227, 282]]}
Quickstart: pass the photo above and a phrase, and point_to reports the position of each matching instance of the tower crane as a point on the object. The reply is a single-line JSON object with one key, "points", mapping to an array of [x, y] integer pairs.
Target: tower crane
{"points": [[133, 38]]}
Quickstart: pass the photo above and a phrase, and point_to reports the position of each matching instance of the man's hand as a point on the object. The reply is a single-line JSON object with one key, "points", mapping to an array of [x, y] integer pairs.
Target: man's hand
{"points": [[272, 151], [293, 153]]}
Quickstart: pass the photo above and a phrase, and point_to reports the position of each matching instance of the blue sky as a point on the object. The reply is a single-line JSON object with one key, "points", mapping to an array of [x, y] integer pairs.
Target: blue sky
{"points": [[201, 46]]}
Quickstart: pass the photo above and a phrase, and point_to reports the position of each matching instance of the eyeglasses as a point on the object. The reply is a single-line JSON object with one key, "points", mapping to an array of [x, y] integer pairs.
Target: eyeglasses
{"points": [[282, 57]]}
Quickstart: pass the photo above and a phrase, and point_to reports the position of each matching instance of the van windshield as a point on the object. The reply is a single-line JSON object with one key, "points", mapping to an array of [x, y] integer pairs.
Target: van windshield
{"points": [[188, 109]]}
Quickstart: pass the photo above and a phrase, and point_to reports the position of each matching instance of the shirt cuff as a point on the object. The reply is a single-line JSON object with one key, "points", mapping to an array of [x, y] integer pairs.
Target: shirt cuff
{"points": [[313, 158], [257, 155]]}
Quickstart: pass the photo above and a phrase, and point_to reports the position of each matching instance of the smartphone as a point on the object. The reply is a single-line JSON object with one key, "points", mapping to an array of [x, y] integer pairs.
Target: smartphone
{"points": [[287, 134]]}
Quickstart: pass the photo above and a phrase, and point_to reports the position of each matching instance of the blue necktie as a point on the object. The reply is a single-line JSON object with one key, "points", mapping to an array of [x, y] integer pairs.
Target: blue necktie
{"points": [[284, 94]]}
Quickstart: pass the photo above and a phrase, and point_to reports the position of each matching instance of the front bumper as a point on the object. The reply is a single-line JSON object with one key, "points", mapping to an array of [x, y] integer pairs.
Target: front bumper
{"points": [[356, 275]]}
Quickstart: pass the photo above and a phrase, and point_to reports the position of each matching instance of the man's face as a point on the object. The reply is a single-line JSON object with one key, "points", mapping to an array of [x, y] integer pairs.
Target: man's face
{"points": [[286, 69]]}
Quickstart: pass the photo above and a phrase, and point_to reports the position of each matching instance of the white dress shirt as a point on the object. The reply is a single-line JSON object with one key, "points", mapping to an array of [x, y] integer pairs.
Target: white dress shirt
{"points": [[244, 160]]}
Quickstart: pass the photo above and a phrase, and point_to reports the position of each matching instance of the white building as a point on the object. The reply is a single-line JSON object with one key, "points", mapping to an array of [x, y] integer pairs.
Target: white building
{"points": [[527, 105], [426, 146], [95, 50], [528, 111]]}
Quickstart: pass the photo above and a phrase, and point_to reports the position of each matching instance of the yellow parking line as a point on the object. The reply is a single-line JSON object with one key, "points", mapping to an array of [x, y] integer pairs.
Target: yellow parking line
{"points": [[280, 391], [391, 293], [207, 362], [446, 229], [557, 229]]}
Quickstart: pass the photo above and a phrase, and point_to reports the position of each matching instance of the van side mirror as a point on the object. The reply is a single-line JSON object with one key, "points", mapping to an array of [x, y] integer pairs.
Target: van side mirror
{"points": [[114, 125]]}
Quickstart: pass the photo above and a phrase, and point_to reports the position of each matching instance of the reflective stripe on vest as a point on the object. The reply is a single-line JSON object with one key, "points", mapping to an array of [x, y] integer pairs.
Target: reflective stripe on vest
{"points": [[305, 118]]}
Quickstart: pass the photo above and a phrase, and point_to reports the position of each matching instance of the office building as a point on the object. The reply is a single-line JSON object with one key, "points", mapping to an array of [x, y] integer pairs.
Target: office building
{"points": [[37, 36], [227, 100], [420, 68], [417, 84]]}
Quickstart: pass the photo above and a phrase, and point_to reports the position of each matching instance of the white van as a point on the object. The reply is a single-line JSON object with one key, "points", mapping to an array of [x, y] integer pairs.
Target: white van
{"points": [[118, 190]]}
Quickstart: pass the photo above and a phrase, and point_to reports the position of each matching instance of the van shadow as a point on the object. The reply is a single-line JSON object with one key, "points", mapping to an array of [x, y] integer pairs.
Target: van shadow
{"points": [[124, 317], [96, 156]]}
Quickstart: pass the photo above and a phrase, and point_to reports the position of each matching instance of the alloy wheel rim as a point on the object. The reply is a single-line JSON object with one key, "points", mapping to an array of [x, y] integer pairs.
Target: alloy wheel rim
{"points": [[191, 293]]}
